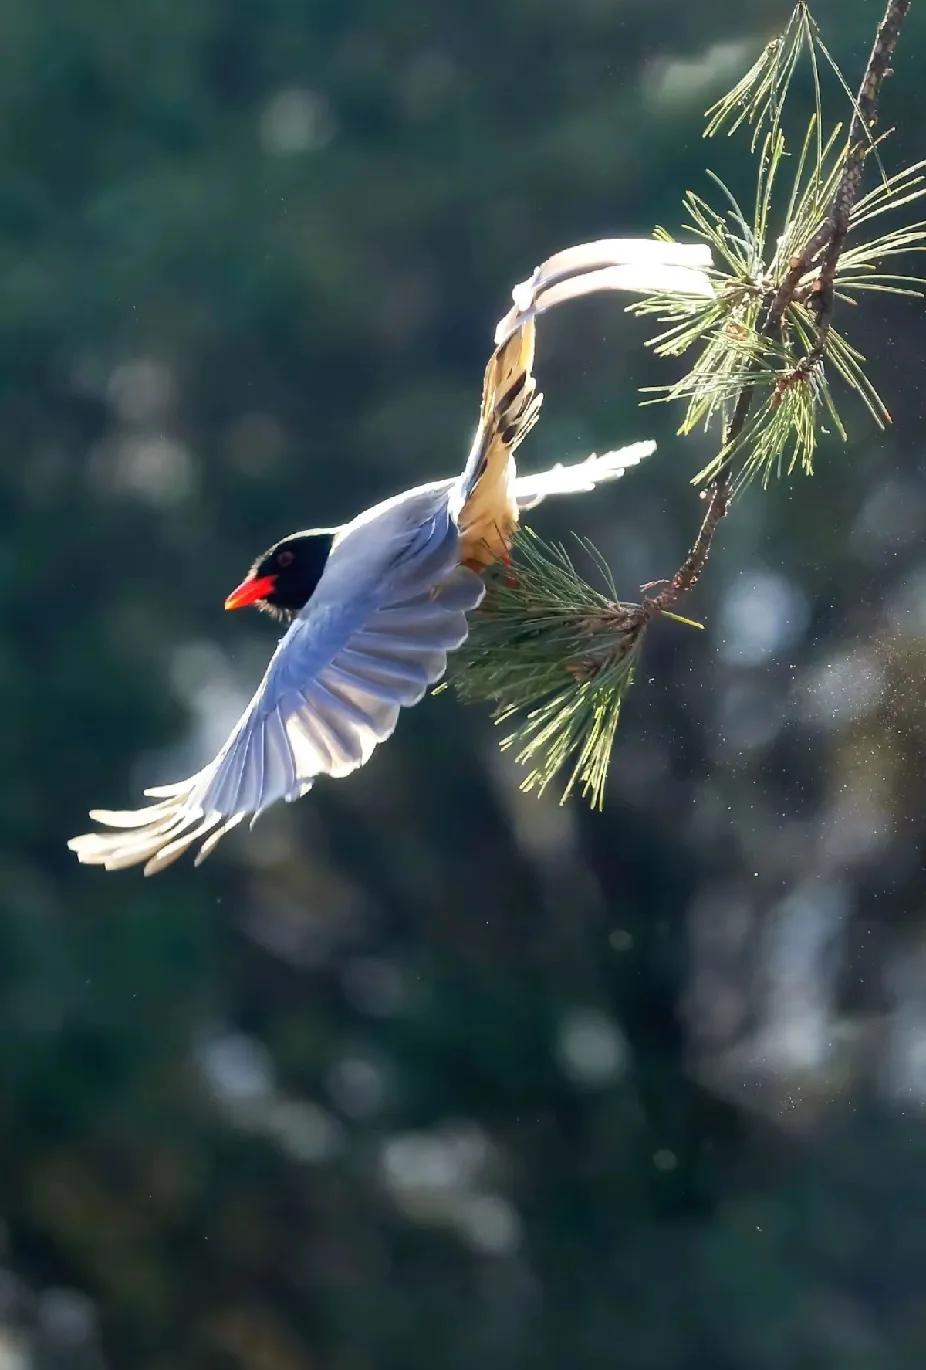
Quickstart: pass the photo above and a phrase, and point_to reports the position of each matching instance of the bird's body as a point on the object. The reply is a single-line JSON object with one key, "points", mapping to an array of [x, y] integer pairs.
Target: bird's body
{"points": [[373, 607]]}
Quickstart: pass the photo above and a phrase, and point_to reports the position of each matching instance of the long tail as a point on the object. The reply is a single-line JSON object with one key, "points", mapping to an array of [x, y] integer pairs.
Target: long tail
{"points": [[489, 496], [639, 265], [580, 476]]}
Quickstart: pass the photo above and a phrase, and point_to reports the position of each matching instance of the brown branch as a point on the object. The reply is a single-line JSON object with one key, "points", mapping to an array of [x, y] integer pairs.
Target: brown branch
{"points": [[860, 143], [831, 234], [691, 569], [829, 239]]}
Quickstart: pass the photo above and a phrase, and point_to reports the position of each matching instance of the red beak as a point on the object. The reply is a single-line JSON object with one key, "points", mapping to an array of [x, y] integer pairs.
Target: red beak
{"points": [[250, 590]]}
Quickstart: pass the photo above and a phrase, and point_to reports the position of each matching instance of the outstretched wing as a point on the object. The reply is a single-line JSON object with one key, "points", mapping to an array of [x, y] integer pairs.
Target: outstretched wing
{"points": [[579, 477], [390, 605], [332, 691]]}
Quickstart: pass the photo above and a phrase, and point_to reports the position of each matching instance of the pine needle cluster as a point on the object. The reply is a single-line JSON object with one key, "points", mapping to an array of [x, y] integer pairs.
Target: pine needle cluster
{"points": [[552, 650], [786, 370], [552, 654]]}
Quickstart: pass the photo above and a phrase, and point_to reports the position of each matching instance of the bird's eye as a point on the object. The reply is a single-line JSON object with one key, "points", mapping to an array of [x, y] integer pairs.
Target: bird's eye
{"points": [[285, 558]]}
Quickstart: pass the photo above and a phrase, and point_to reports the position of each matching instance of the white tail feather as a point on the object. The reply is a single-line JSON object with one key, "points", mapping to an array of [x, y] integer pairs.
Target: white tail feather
{"points": [[641, 266]]}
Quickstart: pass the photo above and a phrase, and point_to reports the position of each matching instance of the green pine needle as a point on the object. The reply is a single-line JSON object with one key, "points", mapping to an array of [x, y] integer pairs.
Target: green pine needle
{"points": [[550, 649], [789, 376], [551, 653], [758, 98]]}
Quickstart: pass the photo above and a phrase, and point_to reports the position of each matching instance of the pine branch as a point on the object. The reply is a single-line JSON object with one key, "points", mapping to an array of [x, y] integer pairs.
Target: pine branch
{"points": [[558, 653], [829, 240], [554, 653], [864, 118]]}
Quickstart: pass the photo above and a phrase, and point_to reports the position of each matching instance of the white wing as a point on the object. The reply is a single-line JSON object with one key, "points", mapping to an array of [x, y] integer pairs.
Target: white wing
{"points": [[581, 476]]}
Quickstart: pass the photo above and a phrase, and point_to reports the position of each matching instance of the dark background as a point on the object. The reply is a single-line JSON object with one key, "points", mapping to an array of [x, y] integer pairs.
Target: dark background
{"points": [[424, 1073]]}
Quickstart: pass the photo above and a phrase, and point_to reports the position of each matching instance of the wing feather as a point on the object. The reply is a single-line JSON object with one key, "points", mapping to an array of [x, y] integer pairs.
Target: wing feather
{"points": [[328, 700], [133, 818], [256, 747], [580, 476], [280, 770], [231, 787], [331, 693], [166, 791], [310, 752], [409, 679], [343, 745], [213, 840], [166, 856], [381, 713]]}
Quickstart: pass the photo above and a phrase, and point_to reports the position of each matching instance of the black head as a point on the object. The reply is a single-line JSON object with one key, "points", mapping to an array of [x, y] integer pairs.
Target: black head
{"points": [[283, 580]]}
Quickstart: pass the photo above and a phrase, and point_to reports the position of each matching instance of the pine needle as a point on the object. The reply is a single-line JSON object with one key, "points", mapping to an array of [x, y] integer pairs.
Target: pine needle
{"points": [[788, 375], [758, 98], [550, 650], [552, 654]]}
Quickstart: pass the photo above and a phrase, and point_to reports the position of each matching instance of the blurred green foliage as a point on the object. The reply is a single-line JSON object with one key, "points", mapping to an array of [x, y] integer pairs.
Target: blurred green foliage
{"points": [[423, 1072]]}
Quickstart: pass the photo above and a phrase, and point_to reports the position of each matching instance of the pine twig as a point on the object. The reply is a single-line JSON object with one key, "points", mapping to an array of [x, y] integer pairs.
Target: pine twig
{"points": [[828, 240], [691, 569], [863, 120], [555, 655]]}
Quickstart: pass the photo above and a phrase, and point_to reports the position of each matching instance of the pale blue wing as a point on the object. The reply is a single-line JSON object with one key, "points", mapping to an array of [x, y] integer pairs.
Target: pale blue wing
{"points": [[369, 643]]}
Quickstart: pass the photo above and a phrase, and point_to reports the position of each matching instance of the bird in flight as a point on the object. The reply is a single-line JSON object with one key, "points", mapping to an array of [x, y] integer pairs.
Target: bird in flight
{"points": [[372, 607]]}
